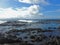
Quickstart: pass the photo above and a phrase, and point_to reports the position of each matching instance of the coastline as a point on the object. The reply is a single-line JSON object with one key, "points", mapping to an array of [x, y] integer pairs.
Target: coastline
{"points": [[31, 34]]}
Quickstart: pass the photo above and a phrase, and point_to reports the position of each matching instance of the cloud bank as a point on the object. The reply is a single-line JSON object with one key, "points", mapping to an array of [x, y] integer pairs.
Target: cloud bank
{"points": [[33, 11], [34, 1], [25, 12]]}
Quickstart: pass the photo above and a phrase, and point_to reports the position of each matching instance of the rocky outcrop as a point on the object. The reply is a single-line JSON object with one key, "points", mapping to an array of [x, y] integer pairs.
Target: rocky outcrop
{"points": [[13, 23]]}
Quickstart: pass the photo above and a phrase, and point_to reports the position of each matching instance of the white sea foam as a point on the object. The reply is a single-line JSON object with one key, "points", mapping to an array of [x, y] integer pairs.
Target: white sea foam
{"points": [[29, 21], [2, 22], [25, 20]]}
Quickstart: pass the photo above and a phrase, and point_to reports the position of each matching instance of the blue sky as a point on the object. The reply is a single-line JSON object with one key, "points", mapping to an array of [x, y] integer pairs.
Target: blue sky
{"points": [[41, 9]]}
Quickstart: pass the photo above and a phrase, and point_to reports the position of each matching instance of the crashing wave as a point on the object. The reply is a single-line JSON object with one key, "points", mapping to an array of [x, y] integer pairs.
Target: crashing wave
{"points": [[2, 22], [29, 21]]}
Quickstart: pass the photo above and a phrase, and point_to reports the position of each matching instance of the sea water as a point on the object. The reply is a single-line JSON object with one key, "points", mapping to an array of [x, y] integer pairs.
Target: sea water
{"points": [[33, 24]]}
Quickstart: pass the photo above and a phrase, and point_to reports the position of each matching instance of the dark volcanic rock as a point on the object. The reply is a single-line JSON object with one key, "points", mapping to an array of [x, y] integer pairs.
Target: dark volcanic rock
{"points": [[13, 23]]}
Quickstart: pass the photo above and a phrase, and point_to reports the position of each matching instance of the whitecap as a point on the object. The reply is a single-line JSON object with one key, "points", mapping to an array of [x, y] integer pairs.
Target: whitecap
{"points": [[2, 22]]}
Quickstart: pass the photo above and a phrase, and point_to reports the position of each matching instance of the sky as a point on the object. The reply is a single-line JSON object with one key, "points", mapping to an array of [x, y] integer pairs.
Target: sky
{"points": [[29, 9]]}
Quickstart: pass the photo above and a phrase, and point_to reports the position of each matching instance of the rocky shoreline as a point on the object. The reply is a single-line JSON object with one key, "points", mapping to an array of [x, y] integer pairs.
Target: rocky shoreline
{"points": [[29, 36]]}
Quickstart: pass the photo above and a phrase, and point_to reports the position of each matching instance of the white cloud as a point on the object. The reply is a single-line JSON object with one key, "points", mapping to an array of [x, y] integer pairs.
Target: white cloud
{"points": [[34, 1], [25, 12]]}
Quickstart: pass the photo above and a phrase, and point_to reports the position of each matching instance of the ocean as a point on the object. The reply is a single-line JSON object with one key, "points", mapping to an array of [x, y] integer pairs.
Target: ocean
{"points": [[44, 24]]}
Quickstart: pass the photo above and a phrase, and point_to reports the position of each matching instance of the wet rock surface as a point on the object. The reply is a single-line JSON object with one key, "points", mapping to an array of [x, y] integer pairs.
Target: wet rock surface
{"points": [[29, 37]]}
